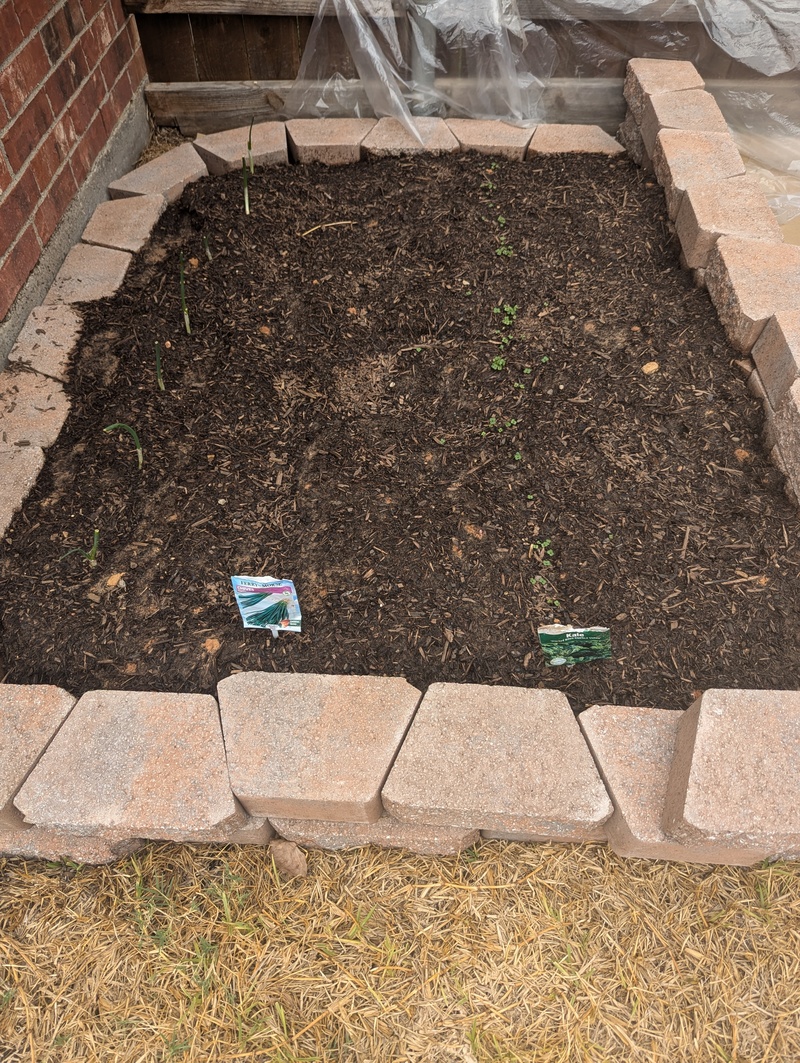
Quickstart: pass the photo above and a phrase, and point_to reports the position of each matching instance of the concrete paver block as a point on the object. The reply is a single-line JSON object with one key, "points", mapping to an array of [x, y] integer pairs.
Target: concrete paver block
{"points": [[777, 353], [19, 467], [47, 340], [586, 139], [785, 429], [733, 207], [29, 717], [256, 830], [490, 137], [89, 273], [313, 746], [387, 833], [648, 77], [497, 759], [223, 152], [633, 749], [125, 224], [332, 141], [735, 775], [391, 138], [165, 176], [134, 764], [683, 158], [597, 834], [749, 281], [690, 109], [39, 843], [32, 408]]}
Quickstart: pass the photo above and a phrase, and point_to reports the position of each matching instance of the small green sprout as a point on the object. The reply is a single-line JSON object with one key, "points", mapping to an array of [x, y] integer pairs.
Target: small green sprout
{"points": [[207, 249], [245, 180], [501, 220], [527, 370], [498, 363], [159, 377], [544, 359], [517, 456], [184, 307], [250, 145], [505, 249], [118, 425], [89, 555]]}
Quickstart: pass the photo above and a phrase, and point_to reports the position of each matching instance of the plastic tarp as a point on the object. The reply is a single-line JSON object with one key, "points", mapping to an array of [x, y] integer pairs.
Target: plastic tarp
{"points": [[483, 59]]}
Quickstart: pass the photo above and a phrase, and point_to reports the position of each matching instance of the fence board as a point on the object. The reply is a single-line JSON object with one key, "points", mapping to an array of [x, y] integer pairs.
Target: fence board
{"points": [[168, 47], [275, 46], [220, 48]]}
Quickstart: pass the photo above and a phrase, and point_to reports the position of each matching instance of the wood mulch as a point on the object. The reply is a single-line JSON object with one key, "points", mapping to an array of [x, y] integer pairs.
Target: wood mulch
{"points": [[453, 400]]}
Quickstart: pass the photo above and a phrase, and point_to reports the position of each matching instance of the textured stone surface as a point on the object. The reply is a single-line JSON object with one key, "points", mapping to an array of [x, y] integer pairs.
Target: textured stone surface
{"points": [[690, 109], [223, 152], [313, 746], [785, 430], [19, 467], [332, 141], [734, 207], [47, 340], [554, 139], [777, 353], [735, 776], [595, 834], [132, 764], [32, 408], [39, 843], [633, 749], [648, 77], [749, 281], [256, 830], [390, 138], [89, 273], [166, 175], [29, 717], [683, 159], [491, 137], [497, 759], [125, 224], [630, 138], [387, 832]]}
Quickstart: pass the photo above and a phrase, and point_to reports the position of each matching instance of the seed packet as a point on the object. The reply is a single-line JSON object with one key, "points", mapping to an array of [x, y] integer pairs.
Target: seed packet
{"points": [[265, 602], [562, 644]]}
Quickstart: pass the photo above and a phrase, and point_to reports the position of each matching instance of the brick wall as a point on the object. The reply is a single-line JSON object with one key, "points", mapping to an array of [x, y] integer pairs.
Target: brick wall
{"points": [[68, 70]]}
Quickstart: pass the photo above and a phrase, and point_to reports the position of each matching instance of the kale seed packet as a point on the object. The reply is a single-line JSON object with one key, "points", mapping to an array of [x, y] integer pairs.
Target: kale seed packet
{"points": [[574, 645]]}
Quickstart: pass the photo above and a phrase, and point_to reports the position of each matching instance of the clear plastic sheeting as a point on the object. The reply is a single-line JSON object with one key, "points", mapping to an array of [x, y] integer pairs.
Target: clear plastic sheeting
{"points": [[519, 60]]}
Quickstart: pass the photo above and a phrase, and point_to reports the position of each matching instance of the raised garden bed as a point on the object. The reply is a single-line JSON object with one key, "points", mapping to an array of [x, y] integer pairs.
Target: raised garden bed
{"points": [[451, 398]]}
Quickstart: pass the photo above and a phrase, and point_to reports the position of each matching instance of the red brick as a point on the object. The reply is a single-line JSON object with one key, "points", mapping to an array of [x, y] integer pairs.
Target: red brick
{"points": [[87, 103], [137, 68], [60, 87], [91, 7], [16, 209], [116, 58], [104, 26], [55, 204], [10, 30], [121, 95], [56, 35], [31, 13], [66, 137], [23, 75], [46, 162], [5, 174], [29, 128], [91, 46], [88, 148], [17, 268]]}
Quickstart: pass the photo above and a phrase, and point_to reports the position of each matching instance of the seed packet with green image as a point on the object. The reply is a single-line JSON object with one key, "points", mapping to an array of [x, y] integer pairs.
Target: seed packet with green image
{"points": [[562, 644], [267, 603]]}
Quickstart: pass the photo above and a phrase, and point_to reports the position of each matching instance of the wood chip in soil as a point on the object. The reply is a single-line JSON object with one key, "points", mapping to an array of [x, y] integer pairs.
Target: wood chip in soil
{"points": [[453, 400]]}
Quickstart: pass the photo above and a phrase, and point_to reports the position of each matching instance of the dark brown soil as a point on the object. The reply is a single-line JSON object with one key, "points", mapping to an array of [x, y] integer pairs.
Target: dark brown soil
{"points": [[334, 418]]}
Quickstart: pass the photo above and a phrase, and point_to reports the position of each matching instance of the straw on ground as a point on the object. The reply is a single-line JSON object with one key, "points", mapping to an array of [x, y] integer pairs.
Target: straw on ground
{"points": [[507, 952]]}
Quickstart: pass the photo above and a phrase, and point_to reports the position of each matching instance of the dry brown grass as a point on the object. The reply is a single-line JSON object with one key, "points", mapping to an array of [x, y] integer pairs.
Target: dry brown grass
{"points": [[504, 953]]}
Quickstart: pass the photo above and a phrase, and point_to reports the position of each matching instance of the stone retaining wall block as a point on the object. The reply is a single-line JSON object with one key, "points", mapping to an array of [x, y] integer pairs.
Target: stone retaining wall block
{"points": [[691, 109], [649, 77], [223, 152], [39, 843], [165, 176], [47, 339], [776, 353], [135, 764], [19, 468], [749, 281], [683, 158], [89, 273], [734, 207], [386, 832], [497, 758], [313, 746], [33, 408], [735, 775], [583, 139], [490, 137], [124, 224], [390, 138], [331, 141], [786, 434]]}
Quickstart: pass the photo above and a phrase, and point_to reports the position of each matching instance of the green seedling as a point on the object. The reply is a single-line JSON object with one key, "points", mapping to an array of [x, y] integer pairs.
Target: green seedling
{"points": [[517, 456], [498, 362], [544, 359], [488, 185], [527, 370], [159, 377], [207, 249], [519, 386], [184, 307], [89, 555], [501, 220], [245, 180], [118, 425], [250, 145], [543, 551]]}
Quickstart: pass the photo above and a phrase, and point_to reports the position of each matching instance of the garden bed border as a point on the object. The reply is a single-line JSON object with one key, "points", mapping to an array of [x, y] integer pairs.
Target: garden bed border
{"points": [[718, 783]]}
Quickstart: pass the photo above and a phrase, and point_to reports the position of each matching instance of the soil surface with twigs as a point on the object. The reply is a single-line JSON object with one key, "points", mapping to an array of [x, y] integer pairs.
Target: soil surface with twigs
{"points": [[453, 400]]}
